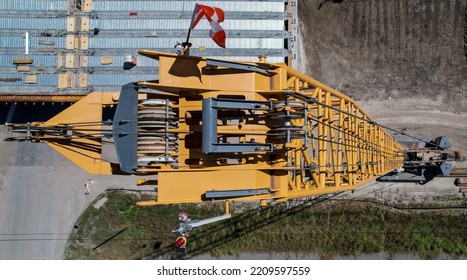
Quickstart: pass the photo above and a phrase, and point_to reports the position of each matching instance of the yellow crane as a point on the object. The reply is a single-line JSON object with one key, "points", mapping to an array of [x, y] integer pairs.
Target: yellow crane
{"points": [[221, 130]]}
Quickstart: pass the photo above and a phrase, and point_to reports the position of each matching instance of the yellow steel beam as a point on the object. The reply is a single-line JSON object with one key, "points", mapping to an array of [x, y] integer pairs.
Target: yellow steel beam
{"points": [[85, 116]]}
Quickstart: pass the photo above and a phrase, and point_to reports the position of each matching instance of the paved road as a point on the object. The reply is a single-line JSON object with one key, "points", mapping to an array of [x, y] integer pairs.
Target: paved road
{"points": [[41, 197]]}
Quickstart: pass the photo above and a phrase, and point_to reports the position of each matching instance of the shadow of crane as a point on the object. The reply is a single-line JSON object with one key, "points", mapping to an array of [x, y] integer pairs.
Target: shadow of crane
{"points": [[216, 235]]}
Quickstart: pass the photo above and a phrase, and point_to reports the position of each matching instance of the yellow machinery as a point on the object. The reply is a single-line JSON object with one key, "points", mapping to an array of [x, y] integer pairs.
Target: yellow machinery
{"points": [[221, 130]]}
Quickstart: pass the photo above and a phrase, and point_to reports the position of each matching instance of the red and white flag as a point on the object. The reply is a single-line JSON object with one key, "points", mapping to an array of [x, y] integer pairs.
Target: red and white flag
{"points": [[215, 16]]}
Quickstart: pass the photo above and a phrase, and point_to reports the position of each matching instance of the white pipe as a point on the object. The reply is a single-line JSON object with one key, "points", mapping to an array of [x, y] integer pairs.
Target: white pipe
{"points": [[185, 227], [26, 44], [195, 224]]}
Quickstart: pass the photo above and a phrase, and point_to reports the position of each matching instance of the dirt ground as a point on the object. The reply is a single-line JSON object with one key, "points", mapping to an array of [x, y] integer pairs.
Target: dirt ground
{"points": [[376, 49], [404, 62]]}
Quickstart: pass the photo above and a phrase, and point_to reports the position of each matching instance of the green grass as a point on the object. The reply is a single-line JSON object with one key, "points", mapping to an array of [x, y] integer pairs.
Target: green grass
{"points": [[327, 229]]}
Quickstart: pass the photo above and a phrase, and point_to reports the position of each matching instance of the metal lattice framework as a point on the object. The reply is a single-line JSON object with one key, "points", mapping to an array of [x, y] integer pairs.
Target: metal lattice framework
{"points": [[345, 145]]}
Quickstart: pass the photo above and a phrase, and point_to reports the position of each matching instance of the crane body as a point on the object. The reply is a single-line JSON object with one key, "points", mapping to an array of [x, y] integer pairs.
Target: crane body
{"points": [[218, 130]]}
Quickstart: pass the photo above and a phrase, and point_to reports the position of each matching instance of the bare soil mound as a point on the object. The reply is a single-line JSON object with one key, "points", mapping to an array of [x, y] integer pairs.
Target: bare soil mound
{"points": [[373, 49]]}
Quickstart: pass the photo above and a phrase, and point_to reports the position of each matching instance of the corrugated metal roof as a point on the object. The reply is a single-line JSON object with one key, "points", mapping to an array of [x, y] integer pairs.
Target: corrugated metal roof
{"points": [[145, 43], [9, 76], [47, 80], [42, 80], [94, 61], [154, 24], [118, 79], [252, 6], [46, 60], [33, 23], [18, 42], [33, 5], [27, 89], [251, 31]]}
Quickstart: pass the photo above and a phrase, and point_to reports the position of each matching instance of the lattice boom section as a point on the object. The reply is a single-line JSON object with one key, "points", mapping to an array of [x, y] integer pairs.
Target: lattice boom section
{"points": [[343, 146]]}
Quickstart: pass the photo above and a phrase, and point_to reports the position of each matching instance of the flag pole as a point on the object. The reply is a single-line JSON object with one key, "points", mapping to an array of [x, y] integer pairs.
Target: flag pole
{"points": [[187, 45], [188, 36]]}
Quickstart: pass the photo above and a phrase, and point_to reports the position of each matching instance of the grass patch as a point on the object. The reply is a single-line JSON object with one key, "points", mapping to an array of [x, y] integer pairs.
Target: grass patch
{"points": [[327, 229]]}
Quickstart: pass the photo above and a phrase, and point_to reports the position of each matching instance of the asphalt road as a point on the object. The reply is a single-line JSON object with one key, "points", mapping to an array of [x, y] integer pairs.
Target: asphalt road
{"points": [[41, 197]]}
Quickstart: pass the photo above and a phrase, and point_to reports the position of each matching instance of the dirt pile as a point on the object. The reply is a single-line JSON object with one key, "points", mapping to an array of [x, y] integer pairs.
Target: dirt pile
{"points": [[376, 49]]}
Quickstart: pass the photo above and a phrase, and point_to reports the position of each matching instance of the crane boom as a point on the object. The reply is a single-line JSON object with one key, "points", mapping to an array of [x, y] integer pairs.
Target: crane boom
{"points": [[211, 129]]}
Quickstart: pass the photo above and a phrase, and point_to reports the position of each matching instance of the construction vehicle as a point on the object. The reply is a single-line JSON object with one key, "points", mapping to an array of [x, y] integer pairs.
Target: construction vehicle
{"points": [[218, 130]]}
